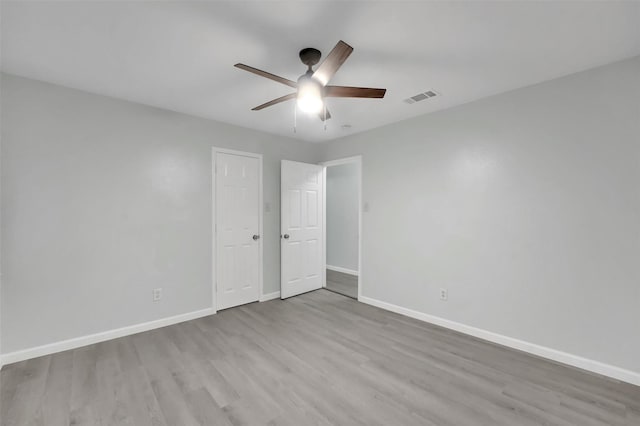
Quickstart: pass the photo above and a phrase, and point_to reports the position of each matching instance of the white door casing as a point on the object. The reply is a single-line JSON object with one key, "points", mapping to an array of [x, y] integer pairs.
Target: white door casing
{"points": [[302, 251], [237, 265]]}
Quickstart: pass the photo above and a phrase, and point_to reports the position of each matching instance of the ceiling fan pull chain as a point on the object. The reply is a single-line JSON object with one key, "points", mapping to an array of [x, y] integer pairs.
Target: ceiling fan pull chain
{"points": [[295, 117], [325, 115]]}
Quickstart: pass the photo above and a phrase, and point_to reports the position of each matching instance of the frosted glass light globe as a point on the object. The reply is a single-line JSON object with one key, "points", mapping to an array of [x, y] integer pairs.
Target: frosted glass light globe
{"points": [[309, 96]]}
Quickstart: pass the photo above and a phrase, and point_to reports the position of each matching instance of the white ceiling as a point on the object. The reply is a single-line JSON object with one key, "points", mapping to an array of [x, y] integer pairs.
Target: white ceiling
{"points": [[180, 55]]}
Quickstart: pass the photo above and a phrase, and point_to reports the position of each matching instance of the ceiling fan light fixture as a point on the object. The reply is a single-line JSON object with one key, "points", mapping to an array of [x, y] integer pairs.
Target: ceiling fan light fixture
{"points": [[309, 95], [312, 88]]}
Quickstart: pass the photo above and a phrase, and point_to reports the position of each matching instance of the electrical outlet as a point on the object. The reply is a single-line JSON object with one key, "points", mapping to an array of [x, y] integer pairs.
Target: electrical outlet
{"points": [[444, 294], [157, 294]]}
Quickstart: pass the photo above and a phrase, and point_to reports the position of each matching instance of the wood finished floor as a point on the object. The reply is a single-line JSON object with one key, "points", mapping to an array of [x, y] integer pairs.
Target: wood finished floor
{"points": [[316, 359], [342, 283]]}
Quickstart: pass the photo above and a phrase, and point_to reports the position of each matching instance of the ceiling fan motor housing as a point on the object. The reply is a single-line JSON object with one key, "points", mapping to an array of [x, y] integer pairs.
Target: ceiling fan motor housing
{"points": [[310, 56]]}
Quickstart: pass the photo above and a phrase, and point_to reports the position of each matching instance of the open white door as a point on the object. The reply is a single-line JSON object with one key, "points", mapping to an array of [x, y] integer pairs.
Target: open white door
{"points": [[302, 194]]}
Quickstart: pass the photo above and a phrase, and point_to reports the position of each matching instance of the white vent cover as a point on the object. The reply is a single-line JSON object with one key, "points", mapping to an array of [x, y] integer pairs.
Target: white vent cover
{"points": [[422, 96]]}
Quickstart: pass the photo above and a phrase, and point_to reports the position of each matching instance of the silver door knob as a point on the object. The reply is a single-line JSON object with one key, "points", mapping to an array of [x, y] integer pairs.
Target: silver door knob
{"points": [[286, 236], [256, 237]]}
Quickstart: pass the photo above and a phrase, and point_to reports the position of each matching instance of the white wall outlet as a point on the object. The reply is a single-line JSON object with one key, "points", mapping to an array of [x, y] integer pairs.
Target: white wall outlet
{"points": [[444, 294], [157, 294]]}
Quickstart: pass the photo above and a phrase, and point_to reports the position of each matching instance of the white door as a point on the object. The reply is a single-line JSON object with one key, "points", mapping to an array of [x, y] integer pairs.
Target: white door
{"points": [[237, 213], [301, 229]]}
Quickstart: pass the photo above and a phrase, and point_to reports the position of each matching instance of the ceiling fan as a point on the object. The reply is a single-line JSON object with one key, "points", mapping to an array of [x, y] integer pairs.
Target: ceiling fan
{"points": [[311, 87]]}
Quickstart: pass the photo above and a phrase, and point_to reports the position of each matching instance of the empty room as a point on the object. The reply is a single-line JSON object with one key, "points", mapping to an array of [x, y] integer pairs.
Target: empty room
{"points": [[320, 213]]}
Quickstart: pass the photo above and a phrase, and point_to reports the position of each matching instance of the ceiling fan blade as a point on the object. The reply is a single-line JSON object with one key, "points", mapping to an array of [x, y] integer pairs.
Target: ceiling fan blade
{"points": [[332, 62], [275, 101], [353, 92], [267, 75], [321, 115]]}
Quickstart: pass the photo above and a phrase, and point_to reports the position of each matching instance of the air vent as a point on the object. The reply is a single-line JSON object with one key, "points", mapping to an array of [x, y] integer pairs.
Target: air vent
{"points": [[421, 96]]}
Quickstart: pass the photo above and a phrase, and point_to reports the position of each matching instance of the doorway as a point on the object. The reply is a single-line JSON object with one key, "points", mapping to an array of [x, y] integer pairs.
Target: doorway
{"points": [[343, 225], [237, 227]]}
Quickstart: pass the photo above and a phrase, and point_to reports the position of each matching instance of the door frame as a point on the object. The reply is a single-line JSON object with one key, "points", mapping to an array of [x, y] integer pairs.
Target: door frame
{"points": [[357, 159], [214, 233]]}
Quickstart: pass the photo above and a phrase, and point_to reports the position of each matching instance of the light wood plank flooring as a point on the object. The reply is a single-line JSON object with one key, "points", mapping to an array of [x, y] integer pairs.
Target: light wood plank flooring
{"points": [[345, 284], [316, 359]]}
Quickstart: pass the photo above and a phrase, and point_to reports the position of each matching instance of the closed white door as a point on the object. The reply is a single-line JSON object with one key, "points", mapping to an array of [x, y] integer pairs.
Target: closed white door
{"points": [[237, 212], [301, 229]]}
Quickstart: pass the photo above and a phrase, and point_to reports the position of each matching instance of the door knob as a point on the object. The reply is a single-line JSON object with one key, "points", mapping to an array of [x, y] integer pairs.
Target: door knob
{"points": [[256, 237], [286, 236]]}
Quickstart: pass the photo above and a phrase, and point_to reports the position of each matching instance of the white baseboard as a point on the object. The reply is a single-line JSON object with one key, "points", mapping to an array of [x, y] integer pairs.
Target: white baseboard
{"points": [[343, 270], [64, 345], [541, 351], [270, 296], [21, 355]]}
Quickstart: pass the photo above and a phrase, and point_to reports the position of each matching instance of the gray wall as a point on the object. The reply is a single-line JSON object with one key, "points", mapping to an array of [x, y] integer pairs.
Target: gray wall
{"points": [[526, 206], [342, 216], [103, 200]]}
